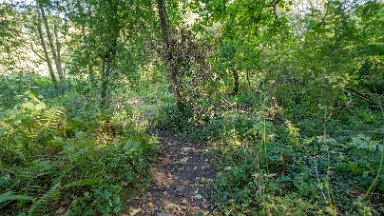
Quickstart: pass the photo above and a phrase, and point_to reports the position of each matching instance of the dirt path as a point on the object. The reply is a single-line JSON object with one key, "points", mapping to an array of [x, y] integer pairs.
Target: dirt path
{"points": [[182, 180]]}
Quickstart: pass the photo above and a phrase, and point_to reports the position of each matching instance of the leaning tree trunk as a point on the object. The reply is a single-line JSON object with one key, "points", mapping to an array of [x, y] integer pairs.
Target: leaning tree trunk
{"points": [[53, 50], [168, 54], [47, 59]]}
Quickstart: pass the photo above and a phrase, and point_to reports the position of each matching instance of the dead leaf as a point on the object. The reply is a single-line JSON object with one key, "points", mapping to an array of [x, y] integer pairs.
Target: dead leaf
{"points": [[135, 211], [60, 211]]}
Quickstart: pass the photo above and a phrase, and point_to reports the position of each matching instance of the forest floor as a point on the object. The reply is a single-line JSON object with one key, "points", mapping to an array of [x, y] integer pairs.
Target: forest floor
{"points": [[182, 180]]}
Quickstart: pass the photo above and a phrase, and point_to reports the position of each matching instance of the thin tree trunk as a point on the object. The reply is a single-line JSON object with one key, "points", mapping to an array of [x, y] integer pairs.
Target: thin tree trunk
{"points": [[168, 55], [105, 81], [47, 59], [236, 82], [53, 50], [248, 80], [56, 33], [107, 66], [91, 72], [58, 45], [109, 55]]}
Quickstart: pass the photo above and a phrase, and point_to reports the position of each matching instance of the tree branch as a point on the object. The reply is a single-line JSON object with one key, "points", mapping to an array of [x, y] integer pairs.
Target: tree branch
{"points": [[36, 53]]}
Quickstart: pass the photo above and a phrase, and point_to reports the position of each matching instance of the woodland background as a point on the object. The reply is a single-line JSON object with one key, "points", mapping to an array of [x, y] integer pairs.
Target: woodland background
{"points": [[287, 95]]}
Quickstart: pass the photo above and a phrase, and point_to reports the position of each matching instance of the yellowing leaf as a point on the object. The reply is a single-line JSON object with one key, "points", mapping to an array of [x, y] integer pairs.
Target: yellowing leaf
{"points": [[29, 105], [135, 211]]}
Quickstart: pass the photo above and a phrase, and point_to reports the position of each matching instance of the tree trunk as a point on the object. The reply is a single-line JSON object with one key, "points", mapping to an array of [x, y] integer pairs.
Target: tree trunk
{"points": [[91, 72], [58, 45], [53, 50], [56, 33], [107, 66], [105, 80], [110, 54], [248, 80], [47, 59], [236, 82], [168, 54]]}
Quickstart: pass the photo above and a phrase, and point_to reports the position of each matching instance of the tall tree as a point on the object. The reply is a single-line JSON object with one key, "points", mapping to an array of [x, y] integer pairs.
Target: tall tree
{"points": [[111, 47], [44, 46], [168, 53], [54, 50]]}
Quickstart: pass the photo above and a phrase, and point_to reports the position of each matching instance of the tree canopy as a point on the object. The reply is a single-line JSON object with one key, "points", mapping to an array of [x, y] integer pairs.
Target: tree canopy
{"points": [[286, 95]]}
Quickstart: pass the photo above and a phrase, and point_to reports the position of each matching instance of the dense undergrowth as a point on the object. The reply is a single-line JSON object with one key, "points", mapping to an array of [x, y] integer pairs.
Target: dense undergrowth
{"points": [[274, 165], [292, 108], [288, 94], [61, 155]]}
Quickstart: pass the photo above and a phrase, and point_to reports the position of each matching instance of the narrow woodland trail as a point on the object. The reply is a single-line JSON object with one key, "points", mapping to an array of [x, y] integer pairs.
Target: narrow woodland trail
{"points": [[182, 178]]}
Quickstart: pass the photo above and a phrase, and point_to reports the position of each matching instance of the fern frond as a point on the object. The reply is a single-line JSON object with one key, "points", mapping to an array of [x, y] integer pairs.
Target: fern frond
{"points": [[47, 196], [11, 196], [82, 182]]}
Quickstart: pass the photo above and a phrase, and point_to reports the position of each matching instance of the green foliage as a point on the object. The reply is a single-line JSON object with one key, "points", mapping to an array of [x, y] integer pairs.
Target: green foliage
{"points": [[287, 94], [278, 175], [271, 165], [104, 200], [108, 48], [11, 38], [69, 157]]}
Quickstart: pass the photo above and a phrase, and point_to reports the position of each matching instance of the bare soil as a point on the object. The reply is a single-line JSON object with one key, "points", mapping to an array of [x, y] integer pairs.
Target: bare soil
{"points": [[182, 180]]}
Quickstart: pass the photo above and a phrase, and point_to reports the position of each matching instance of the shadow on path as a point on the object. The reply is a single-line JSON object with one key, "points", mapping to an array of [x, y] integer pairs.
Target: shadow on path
{"points": [[182, 180]]}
